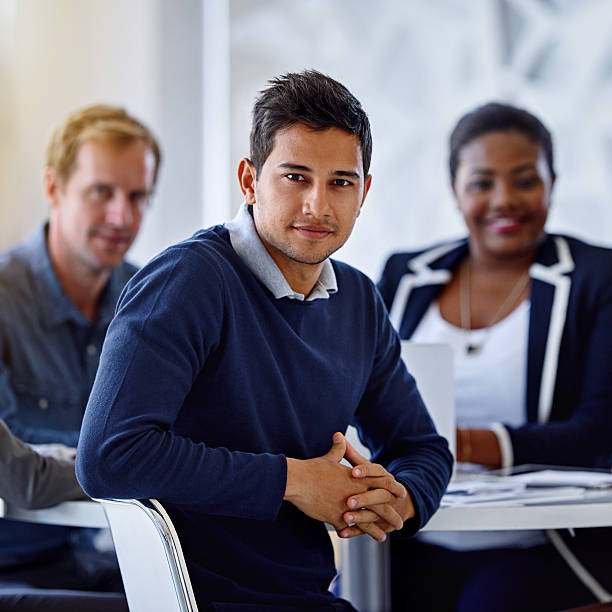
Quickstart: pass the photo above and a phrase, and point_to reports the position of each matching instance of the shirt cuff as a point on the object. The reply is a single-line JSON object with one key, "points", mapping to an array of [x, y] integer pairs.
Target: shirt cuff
{"points": [[505, 444]]}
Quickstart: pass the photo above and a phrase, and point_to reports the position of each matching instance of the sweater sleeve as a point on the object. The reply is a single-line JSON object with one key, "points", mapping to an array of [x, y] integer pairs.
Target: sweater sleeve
{"points": [[393, 422], [168, 320], [31, 480]]}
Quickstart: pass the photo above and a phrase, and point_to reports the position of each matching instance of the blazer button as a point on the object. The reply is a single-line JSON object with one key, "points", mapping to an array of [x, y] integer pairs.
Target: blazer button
{"points": [[43, 404]]}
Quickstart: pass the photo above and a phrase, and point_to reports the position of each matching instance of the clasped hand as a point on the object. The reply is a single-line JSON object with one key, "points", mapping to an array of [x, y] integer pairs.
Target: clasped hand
{"points": [[364, 499]]}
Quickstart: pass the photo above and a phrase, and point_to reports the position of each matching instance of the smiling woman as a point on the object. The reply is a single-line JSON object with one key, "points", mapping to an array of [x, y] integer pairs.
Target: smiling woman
{"points": [[503, 186], [528, 315]]}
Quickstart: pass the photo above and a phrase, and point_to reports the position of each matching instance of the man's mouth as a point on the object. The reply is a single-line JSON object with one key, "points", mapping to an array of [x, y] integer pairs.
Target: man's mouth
{"points": [[113, 239], [313, 232]]}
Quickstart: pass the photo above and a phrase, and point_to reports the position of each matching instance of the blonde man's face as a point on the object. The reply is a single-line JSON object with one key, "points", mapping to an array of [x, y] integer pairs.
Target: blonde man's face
{"points": [[97, 212]]}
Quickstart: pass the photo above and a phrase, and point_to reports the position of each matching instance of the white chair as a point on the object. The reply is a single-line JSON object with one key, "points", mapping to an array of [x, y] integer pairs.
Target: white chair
{"points": [[365, 566], [150, 556]]}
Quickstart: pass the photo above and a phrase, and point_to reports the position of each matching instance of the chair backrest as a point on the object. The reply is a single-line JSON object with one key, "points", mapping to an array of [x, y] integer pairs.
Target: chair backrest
{"points": [[150, 557]]}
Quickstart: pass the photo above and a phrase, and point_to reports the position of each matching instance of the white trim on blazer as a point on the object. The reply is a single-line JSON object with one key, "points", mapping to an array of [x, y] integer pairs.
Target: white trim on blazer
{"points": [[554, 275]]}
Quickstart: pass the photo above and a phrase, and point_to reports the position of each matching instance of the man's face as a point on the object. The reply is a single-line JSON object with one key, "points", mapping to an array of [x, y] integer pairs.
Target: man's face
{"points": [[307, 195], [96, 213]]}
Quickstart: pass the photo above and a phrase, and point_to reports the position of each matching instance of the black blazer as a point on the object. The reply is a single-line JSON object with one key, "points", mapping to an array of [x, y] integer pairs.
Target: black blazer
{"points": [[568, 403]]}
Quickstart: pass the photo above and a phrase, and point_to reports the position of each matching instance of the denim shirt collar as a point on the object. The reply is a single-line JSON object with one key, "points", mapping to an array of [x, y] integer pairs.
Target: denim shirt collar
{"points": [[248, 246], [59, 307]]}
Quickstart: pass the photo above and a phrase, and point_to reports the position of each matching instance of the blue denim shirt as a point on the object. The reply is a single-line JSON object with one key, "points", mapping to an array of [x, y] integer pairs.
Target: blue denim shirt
{"points": [[49, 355]]}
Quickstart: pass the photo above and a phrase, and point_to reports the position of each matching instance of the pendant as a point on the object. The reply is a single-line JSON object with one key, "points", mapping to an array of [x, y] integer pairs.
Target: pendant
{"points": [[472, 349]]}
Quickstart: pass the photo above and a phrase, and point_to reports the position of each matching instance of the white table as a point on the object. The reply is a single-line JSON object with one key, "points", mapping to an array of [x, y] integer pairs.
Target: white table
{"points": [[596, 512], [590, 512], [86, 513], [366, 567]]}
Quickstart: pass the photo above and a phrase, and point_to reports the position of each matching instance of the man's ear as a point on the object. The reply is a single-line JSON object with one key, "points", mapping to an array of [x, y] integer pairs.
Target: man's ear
{"points": [[51, 186], [247, 178], [366, 188]]}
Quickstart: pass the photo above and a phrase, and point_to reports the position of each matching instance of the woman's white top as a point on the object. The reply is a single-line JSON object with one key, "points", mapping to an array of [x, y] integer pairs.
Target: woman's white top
{"points": [[489, 388]]}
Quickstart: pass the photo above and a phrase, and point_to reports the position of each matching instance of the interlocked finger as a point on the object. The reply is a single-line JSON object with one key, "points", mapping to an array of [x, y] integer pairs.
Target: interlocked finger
{"points": [[370, 499]]}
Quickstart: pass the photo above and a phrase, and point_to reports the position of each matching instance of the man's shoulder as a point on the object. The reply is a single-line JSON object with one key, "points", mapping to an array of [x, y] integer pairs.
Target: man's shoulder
{"points": [[350, 274], [206, 247], [202, 258], [355, 287], [16, 258], [17, 273]]}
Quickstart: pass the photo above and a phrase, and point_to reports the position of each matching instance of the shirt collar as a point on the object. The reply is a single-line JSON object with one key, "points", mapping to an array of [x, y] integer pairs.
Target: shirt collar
{"points": [[59, 307], [250, 249]]}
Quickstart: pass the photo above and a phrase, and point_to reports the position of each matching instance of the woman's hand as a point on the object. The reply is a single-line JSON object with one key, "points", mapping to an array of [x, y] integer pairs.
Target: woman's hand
{"points": [[478, 446]]}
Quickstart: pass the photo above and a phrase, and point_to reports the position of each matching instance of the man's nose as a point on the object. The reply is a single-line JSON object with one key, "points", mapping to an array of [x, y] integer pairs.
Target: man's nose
{"points": [[316, 202], [119, 210]]}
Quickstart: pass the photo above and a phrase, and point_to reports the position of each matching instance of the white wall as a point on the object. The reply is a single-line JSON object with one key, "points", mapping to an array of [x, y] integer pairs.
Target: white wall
{"points": [[62, 54]]}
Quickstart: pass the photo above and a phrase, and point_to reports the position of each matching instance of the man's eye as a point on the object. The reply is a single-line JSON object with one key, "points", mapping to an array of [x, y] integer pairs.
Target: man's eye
{"points": [[140, 199], [294, 177], [100, 192], [342, 182]]}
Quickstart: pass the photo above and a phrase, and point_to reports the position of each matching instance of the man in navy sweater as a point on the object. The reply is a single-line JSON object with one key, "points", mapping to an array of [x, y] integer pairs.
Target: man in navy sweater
{"points": [[237, 358]]}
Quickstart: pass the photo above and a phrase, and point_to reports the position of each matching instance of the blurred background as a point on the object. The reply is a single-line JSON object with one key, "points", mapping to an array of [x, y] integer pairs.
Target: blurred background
{"points": [[191, 69]]}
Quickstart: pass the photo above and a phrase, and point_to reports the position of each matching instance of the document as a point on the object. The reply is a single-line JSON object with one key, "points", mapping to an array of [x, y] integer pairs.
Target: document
{"points": [[556, 478], [534, 487]]}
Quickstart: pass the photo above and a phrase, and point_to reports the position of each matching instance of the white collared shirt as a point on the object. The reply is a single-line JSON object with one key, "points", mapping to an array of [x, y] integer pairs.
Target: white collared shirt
{"points": [[249, 247]]}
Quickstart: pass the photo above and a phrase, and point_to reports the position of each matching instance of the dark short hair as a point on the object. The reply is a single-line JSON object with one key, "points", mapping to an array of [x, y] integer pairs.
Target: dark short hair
{"points": [[311, 99], [497, 117]]}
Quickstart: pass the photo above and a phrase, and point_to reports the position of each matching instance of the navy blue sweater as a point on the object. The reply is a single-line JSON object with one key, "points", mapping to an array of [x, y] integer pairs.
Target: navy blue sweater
{"points": [[207, 383]]}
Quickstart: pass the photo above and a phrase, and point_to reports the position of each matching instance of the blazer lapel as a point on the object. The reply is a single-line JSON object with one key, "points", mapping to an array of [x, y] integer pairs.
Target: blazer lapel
{"points": [[425, 276], [549, 301]]}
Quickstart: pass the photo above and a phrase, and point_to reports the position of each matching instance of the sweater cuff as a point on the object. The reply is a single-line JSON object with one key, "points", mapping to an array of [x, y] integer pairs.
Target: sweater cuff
{"points": [[505, 444], [413, 524]]}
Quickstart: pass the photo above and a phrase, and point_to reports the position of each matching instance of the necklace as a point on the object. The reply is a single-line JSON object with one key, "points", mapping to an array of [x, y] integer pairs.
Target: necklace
{"points": [[473, 348]]}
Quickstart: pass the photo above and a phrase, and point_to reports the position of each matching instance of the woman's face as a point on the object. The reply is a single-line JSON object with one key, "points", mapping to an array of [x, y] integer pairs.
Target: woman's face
{"points": [[503, 186]]}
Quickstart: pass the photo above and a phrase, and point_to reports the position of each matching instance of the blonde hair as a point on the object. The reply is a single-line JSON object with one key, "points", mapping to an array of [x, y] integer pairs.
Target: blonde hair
{"points": [[101, 123]]}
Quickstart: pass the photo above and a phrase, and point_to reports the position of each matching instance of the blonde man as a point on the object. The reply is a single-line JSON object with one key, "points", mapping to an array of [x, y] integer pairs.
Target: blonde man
{"points": [[58, 291]]}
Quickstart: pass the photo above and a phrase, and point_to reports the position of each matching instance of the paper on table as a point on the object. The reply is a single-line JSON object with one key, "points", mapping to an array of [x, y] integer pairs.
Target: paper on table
{"points": [[542, 486], [514, 498], [476, 486], [556, 478], [481, 490]]}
